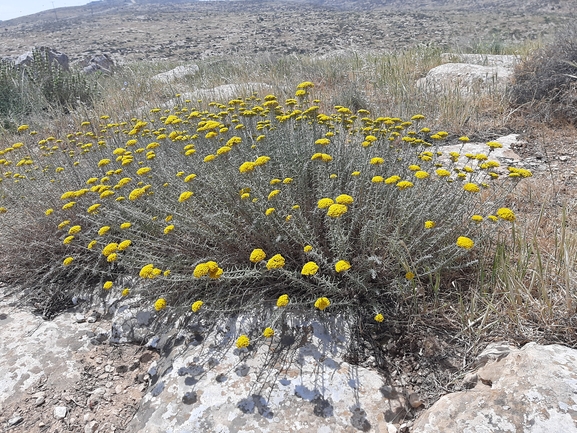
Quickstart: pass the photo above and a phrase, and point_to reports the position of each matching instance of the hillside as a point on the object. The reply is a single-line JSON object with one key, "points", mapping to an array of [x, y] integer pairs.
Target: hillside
{"points": [[147, 30]]}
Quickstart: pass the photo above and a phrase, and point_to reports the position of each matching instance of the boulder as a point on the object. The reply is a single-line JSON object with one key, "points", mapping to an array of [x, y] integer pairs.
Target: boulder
{"points": [[529, 390], [506, 61], [27, 58], [176, 73], [297, 381], [466, 77], [96, 63]]}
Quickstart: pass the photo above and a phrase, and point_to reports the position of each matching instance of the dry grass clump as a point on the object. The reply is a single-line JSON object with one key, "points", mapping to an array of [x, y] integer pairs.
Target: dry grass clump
{"points": [[545, 85]]}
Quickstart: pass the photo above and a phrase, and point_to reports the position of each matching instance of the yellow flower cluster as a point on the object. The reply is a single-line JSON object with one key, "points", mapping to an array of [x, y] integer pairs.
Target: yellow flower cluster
{"points": [[209, 268]]}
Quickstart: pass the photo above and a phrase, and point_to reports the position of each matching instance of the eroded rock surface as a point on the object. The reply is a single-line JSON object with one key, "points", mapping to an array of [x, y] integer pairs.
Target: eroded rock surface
{"points": [[296, 382], [528, 390]]}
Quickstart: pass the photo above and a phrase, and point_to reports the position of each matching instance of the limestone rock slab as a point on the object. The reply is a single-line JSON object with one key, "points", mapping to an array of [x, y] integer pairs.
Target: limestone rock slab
{"points": [[176, 73], [34, 349], [530, 390], [466, 77], [297, 382]]}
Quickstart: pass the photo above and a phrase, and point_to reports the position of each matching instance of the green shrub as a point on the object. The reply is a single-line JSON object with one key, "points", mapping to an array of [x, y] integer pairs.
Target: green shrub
{"points": [[238, 204], [41, 85]]}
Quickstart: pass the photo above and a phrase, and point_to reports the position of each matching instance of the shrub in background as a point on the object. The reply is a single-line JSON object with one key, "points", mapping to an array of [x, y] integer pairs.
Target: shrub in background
{"points": [[41, 85], [546, 83]]}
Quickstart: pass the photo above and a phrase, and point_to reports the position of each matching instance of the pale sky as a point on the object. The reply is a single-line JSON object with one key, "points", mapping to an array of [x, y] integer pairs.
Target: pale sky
{"points": [[16, 8]]}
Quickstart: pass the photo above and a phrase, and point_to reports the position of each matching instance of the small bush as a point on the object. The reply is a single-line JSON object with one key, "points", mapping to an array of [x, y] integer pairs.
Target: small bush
{"points": [[246, 205], [546, 83], [41, 85]]}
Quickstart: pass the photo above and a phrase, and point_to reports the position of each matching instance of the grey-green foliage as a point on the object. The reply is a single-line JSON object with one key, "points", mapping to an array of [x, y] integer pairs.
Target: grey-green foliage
{"points": [[40, 85]]}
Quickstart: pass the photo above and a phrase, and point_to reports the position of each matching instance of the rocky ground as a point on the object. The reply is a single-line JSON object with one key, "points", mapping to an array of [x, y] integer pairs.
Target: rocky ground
{"points": [[195, 30]]}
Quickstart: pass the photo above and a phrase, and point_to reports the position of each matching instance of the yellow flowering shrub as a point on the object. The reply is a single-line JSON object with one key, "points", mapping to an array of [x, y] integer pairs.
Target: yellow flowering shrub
{"points": [[369, 207]]}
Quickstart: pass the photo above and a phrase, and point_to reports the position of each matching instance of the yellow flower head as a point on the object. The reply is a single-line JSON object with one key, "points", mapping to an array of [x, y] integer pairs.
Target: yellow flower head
{"points": [[107, 285], [242, 341], [160, 304], [465, 242], [168, 229], [112, 257], [261, 160], [67, 261], [429, 224], [273, 193], [471, 187], [307, 249], [342, 266], [282, 301], [257, 255], [196, 306], [323, 141], [379, 318], [506, 214], [322, 303], [201, 270], [126, 292], [268, 332], [269, 211], [325, 203], [404, 184], [378, 179], [477, 218], [74, 229], [67, 240], [392, 179], [125, 225], [310, 268], [109, 249], [377, 161], [344, 199], [410, 276], [337, 210], [124, 244], [48, 212], [184, 196], [275, 262], [103, 230], [247, 167], [91, 245], [441, 172], [92, 209], [421, 174]]}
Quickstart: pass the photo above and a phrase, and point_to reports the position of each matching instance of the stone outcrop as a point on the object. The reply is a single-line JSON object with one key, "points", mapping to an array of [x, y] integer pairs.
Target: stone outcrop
{"points": [[527, 390], [506, 61], [465, 77], [176, 74], [27, 58], [298, 381], [98, 63]]}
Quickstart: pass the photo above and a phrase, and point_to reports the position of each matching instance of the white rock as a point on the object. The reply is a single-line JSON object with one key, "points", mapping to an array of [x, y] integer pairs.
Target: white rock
{"points": [[91, 427], [465, 78], [529, 390], [506, 61], [176, 73], [60, 412], [300, 385]]}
